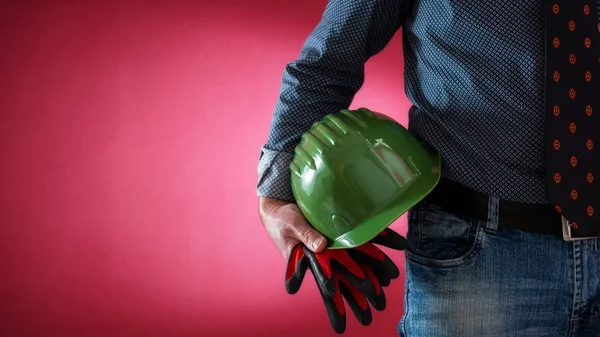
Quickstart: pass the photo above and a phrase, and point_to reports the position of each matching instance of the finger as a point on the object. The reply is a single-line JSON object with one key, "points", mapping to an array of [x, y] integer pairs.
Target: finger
{"points": [[287, 226], [389, 238], [295, 270], [385, 269], [320, 267], [338, 259], [334, 306], [306, 234], [356, 301], [377, 299]]}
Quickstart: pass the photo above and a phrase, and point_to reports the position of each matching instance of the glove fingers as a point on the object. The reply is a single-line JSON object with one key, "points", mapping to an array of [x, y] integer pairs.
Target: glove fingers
{"points": [[357, 302], [363, 284], [295, 270], [384, 268], [323, 264], [334, 305], [320, 267], [377, 299], [298, 263], [391, 239]]}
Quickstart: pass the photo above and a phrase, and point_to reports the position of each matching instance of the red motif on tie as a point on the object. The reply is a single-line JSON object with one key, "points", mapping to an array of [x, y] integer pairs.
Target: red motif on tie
{"points": [[572, 128]]}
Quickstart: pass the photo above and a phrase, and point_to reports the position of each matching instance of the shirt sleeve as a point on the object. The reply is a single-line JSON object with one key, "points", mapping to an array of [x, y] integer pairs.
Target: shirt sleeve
{"points": [[324, 79]]}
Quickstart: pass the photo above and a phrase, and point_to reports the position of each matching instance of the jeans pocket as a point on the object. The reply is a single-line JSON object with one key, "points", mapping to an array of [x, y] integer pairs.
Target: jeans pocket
{"points": [[440, 239]]}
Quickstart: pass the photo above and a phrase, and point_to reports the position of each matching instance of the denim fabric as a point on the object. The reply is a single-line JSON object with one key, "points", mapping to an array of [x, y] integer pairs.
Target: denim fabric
{"points": [[466, 277]]}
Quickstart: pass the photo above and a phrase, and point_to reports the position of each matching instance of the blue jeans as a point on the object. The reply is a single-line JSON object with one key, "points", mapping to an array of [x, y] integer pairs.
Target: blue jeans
{"points": [[465, 277]]}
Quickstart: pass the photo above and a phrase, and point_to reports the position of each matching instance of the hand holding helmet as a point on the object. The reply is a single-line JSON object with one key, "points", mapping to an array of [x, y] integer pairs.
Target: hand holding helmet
{"points": [[353, 175]]}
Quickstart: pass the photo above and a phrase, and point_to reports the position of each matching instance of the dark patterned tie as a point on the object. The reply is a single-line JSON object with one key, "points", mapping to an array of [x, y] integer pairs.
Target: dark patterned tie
{"points": [[573, 112]]}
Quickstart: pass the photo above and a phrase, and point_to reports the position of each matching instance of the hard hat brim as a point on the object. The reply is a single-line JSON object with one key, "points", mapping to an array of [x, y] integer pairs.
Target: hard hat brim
{"points": [[409, 197]]}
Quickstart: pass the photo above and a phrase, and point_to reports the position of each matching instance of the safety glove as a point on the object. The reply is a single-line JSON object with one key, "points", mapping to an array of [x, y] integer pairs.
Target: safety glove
{"points": [[356, 275], [383, 267]]}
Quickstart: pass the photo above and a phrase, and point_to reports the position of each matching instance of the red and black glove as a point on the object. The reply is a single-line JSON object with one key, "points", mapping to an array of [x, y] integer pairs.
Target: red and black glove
{"points": [[357, 275], [383, 267]]}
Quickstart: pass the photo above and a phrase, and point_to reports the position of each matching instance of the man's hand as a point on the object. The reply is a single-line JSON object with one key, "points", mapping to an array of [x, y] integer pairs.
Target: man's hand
{"points": [[287, 226]]}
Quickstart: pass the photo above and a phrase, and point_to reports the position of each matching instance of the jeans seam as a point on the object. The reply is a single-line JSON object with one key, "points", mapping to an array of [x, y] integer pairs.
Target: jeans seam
{"points": [[406, 304], [420, 216], [577, 305]]}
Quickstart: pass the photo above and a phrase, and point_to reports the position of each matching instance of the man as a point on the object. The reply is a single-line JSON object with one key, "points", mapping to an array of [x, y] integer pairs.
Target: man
{"points": [[507, 92]]}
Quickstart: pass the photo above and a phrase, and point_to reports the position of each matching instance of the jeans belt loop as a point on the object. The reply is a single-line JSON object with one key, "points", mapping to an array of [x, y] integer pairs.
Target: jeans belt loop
{"points": [[493, 213]]}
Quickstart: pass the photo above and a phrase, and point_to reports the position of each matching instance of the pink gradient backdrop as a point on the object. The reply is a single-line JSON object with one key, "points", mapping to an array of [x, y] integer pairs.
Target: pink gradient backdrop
{"points": [[129, 140]]}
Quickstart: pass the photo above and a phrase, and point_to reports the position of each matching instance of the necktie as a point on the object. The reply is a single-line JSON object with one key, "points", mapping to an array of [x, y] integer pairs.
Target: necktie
{"points": [[573, 112]]}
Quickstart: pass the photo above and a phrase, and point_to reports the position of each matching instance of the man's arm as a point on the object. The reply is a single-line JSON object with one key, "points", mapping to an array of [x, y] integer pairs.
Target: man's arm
{"points": [[324, 79]]}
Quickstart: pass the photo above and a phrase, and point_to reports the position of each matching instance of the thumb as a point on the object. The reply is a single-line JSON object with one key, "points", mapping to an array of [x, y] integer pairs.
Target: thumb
{"points": [[311, 238]]}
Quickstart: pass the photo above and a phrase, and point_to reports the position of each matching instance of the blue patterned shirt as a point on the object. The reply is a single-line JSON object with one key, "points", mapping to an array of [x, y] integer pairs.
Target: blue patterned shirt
{"points": [[474, 72]]}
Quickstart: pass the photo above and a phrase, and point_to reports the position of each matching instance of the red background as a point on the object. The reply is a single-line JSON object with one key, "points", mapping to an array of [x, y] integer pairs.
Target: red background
{"points": [[130, 134]]}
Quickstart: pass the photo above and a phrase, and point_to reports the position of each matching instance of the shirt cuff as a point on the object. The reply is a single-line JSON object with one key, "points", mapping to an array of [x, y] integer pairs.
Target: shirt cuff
{"points": [[274, 175]]}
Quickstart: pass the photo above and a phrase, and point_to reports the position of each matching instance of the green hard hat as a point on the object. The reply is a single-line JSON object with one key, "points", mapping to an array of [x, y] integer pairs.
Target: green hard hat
{"points": [[357, 171]]}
